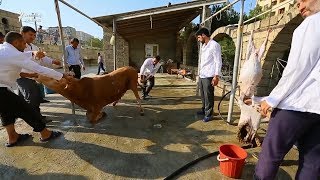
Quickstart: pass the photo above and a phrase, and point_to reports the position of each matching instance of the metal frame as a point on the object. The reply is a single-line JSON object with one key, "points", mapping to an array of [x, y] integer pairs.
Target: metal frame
{"points": [[62, 37], [236, 63], [215, 14]]}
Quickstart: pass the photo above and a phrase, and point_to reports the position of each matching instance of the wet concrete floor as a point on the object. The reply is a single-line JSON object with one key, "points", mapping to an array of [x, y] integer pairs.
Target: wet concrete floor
{"points": [[126, 145]]}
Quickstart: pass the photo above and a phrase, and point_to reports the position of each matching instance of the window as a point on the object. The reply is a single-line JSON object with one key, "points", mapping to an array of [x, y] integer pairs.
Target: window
{"points": [[274, 3], [4, 21], [151, 50], [281, 11]]}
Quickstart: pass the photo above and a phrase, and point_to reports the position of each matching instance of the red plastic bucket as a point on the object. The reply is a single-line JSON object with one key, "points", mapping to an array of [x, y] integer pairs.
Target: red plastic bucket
{"points": [[232, 159]]}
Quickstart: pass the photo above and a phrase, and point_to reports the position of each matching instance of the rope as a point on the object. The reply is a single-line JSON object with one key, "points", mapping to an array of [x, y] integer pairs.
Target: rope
{"points": [[218, 19]]}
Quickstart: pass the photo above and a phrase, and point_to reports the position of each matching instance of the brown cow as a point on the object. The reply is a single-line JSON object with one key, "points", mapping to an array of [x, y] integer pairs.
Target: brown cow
{"points": [[93, 93]]}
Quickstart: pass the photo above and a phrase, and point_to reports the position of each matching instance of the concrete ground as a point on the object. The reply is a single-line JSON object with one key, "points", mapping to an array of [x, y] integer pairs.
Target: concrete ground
{"points": [[126, 145]]}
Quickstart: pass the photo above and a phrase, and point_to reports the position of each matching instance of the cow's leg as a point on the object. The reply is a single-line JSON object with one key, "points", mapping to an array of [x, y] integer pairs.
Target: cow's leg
{"points": [[136, 94]]}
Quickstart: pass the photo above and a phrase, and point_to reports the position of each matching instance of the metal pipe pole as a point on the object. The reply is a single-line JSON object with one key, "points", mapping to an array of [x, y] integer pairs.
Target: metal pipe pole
{"points": [[35, 22], [203, 15], [65, 66], [70, 6], [115, 44], [236, 64]]}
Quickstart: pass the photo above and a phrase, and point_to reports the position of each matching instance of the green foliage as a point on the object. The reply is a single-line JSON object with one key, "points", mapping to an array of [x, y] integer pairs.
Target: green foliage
{"points": [[256, 11], [95, 42], [184, 34], [227, 50], [224, 18]]}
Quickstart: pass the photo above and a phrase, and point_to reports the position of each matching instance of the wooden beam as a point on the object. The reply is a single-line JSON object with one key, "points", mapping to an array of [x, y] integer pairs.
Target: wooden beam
{"points": [[174, 21], [162, 18], [178, 7]]}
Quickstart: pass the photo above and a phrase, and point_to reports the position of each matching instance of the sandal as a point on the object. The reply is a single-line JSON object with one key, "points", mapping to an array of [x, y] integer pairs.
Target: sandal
{"points": [[53, 135], [21, 138]]}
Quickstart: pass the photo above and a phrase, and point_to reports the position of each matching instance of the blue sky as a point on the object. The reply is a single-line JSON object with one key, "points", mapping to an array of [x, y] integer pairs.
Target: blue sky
{"points": [[92, 8]]}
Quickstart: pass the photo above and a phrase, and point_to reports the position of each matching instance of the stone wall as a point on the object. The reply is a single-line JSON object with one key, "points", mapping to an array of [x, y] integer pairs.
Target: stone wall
{"points": [[90, 56], [122, 54], [167, 47], [9, 22], [278, 44]]}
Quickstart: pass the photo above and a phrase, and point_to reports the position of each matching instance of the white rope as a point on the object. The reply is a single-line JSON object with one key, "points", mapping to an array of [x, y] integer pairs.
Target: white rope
{"points": [[218, 19]]}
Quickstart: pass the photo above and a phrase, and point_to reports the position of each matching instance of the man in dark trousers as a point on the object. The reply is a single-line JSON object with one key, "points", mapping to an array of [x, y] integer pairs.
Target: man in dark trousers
{"points": [[29, 88], [12, 60], [147, 71], [210, 70], [74, 59], [100, 64], [295, 103]]}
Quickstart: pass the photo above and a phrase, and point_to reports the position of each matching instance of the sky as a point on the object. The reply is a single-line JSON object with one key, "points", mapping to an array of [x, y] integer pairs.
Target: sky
{"points": [[92, 8]]}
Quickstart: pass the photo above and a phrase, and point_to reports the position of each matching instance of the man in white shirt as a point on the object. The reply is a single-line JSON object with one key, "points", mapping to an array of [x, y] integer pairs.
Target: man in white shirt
{"points": [[295, 100], [74, 59], [100, 64], [12, 60], [29, 88], [147, 71], [210, 69]]}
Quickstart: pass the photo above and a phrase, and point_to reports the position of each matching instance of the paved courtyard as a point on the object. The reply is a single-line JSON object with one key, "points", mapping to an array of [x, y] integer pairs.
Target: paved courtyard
{"points": [[126, 145]]}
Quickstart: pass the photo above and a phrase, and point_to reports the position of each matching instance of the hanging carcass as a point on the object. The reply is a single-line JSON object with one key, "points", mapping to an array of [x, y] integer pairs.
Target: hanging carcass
{"points": [[250, 76]]}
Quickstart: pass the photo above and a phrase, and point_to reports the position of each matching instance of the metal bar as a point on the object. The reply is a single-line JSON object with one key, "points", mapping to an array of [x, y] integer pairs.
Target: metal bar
{"points": [[65, 66], [115, 44], [236, 64], [272, 9], [70, 6], [171, 9], [203, 15], [221, 10], [281, 60]]}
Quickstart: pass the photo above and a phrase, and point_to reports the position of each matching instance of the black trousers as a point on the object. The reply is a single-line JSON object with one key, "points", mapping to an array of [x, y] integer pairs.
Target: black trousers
{"points": [[147, 86], [77, 70], [13, 106], [207, 95], [101, 67], [30, 90], [286, 128]]}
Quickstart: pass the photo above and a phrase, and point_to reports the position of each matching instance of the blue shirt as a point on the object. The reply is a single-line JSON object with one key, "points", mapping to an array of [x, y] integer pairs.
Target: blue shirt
{"points": [[73, 56]]}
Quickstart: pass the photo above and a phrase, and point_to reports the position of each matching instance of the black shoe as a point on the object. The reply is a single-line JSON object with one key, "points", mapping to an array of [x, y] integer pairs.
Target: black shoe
{"points": [[44, 101]]}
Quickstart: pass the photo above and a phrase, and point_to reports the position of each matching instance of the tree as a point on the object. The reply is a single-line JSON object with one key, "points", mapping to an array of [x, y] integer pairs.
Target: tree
{"points": [[187, 30], [227, 51], [256, 11], [224, 18], [95, 42]]}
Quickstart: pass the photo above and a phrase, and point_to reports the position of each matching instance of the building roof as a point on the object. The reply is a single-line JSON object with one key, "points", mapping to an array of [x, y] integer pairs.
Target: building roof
{"points": [[165, 19]]}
